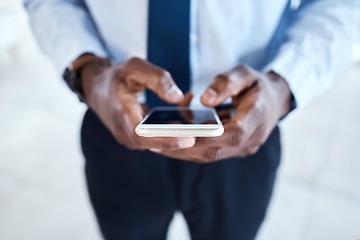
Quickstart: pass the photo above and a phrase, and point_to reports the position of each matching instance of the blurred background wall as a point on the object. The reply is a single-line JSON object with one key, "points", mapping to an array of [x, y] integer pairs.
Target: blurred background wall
{"points": [[42, 188]]}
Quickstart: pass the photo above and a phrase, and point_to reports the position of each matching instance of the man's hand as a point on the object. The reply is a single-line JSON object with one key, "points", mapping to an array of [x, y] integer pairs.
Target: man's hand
{"points": [[260, 99], [112, 92]]}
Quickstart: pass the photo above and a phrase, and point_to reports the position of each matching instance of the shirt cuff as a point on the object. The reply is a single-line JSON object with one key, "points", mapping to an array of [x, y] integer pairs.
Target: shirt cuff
{"points": [[294, 68]]}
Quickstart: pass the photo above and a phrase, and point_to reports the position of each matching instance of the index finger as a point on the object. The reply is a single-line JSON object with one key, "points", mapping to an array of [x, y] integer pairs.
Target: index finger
{"points": [[140, 73]]}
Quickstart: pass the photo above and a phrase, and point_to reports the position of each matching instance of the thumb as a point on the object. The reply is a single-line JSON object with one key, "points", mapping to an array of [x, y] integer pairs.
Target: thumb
{"points": [[228, 85]]}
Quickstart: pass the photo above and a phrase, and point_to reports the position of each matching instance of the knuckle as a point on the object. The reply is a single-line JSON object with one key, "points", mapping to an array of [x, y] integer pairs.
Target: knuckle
{"points": [[126, 66], [237, 137], [129, 66], [223, 80], [257, 110], [259, 106], [213, 154], [163, 74], [131, 82], [172, 144], [252, 150], [117, 110], [128, 77], [244, 69], [134, 61], [164, 79], [137, 142]]}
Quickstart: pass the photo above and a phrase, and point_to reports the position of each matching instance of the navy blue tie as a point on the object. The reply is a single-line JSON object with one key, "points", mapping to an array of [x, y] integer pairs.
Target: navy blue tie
{"points": [[168, 42]]}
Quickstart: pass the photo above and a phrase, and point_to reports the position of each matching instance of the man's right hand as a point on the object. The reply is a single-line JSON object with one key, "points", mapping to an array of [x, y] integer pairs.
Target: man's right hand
{"points": [[112, 92]]}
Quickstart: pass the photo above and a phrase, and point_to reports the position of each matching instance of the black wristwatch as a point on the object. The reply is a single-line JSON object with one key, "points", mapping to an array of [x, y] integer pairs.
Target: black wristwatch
{"points": [[72, 73]]}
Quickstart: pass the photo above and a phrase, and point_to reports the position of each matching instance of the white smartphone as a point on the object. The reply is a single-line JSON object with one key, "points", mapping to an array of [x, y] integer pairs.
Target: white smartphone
{"points": [[180, 122]]}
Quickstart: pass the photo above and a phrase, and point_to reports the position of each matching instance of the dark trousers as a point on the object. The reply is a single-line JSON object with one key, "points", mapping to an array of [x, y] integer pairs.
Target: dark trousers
{"points": [[135, 193]]}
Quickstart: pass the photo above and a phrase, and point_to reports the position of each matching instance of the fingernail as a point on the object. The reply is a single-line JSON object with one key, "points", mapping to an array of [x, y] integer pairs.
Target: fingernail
{"points": [[175, 93], [209, 96], [155, 150], [187, 143]]}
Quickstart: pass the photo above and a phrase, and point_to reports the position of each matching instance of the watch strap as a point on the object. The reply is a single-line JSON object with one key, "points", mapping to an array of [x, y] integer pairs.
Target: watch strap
{"points": [[72, 73]]}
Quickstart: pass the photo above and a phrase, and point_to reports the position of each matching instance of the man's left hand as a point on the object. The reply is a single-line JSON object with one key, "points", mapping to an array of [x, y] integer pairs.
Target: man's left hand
{"points": [[260, 100]]}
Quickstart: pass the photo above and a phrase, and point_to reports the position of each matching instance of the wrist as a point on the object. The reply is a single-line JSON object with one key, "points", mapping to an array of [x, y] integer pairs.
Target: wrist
{"points": [[93, 78], [72, 74], [282, 93]]}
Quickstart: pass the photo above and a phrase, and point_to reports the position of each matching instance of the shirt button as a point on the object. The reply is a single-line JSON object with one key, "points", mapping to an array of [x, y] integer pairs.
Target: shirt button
{"points": [[194, 39]]}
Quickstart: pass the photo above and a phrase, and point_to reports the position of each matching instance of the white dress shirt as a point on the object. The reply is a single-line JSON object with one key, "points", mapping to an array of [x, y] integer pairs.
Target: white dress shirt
{"points": [[224, 34]]}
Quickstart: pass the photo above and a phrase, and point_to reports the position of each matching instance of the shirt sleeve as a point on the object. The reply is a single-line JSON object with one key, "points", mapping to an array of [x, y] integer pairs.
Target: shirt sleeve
{"points": [[317, 46], [64, 30]]}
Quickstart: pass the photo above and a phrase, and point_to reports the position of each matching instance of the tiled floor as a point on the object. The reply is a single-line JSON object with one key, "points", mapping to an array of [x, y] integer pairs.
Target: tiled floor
{"points": [[42, 190]]}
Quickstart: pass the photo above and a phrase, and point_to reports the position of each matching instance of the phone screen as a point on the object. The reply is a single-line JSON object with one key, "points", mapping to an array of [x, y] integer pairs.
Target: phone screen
{"points": [[181, 116]]}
